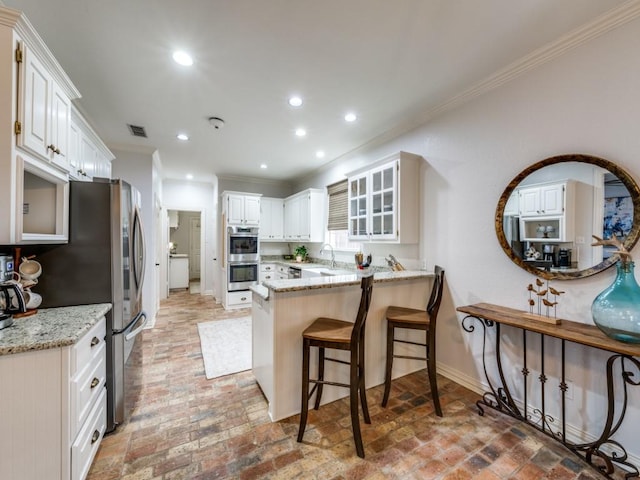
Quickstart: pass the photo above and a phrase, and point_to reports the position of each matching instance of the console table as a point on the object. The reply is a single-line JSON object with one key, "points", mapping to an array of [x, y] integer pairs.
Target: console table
{"points": [[604, 454]]}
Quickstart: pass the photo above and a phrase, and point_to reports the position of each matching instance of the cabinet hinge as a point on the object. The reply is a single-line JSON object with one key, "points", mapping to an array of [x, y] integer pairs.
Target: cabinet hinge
{"points": [[17, 127], [18, 55]]}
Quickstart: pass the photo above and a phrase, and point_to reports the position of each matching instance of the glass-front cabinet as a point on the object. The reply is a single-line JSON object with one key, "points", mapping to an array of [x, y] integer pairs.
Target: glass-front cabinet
{"points": [[383, 200]]}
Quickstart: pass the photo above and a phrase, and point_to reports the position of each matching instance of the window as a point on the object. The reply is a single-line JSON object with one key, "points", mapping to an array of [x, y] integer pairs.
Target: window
{"points": [[337, 225]]}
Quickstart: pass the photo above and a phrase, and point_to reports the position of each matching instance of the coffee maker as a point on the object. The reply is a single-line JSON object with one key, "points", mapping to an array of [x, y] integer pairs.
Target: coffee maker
{"points": [[6, 267], [549, 253], [564, 257]]}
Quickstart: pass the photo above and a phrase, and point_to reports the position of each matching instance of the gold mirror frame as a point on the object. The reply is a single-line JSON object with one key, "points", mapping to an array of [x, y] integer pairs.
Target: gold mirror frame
{"points": [[629, 242]]}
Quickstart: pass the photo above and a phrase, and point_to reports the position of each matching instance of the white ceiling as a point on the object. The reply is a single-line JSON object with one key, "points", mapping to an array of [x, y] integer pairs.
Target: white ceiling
{"points": [[392, 62]]}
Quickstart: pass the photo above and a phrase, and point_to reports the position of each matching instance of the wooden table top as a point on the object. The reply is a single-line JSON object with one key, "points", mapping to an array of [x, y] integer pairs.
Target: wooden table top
{"points": [[566, 330]]}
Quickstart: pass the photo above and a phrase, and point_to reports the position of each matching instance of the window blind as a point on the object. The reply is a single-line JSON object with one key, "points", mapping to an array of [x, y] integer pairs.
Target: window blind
{"points": [[338, 206]]}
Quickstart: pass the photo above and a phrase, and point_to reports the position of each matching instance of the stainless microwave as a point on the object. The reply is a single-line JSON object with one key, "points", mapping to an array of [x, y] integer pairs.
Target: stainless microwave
{"points": [[242, 244]]}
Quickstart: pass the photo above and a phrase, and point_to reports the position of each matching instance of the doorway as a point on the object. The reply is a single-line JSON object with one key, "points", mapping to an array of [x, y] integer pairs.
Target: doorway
{"points": [[185, 251]]}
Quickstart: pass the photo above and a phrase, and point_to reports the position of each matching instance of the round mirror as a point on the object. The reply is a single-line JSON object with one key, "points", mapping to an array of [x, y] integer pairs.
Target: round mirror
{"points": [[547, 215]]}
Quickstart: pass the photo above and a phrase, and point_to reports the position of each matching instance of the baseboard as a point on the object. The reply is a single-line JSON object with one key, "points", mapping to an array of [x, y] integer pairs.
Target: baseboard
{"points": [[476, 386]]}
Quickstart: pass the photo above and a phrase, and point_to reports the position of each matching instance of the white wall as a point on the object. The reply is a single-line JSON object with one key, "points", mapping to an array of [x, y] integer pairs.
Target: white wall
{"points": [[139, 170], [196, 196], [583, 102]]}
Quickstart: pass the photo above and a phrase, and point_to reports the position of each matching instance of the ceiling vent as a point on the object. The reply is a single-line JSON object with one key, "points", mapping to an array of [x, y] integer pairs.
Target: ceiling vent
{"points": [[137, 131]]}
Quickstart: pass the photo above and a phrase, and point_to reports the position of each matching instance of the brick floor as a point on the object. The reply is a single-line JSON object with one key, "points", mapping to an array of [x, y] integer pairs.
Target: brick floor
{"points": [[187, 427]]}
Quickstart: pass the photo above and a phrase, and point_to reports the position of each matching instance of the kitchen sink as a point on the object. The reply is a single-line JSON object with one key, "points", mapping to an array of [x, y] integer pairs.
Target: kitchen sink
{"points": [[325, 271]]}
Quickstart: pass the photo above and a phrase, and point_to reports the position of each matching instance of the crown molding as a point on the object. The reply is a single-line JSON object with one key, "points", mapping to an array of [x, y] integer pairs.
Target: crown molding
{"points": [[606, 22]]}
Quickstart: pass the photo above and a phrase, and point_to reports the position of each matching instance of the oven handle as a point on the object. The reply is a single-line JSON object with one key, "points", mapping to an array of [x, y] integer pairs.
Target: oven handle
{"points": [[242, 264]]}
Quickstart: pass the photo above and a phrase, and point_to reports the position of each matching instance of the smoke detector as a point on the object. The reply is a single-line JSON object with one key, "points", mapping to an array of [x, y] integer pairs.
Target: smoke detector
{"points": [[216, 122]]}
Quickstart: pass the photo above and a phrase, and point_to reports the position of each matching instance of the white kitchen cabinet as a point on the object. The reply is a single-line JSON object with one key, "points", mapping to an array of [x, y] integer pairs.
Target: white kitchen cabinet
{"points": [[58, 409], [304, 216], [242, 208], [267, 271], [239, 299], [35, 97], [45, 113], [547, 212], [179, 271], [543, 200], [282, 272], [89, 157], [384, 200], [271, 219]]}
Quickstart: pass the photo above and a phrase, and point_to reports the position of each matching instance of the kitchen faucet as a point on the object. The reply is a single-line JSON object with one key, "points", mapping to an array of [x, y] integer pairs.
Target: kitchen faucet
{"points": [[333, 257]]}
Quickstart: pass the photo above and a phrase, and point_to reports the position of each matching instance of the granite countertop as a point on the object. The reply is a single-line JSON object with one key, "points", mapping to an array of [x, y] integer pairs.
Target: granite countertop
{"points": [[333, 281], [51, 328]]}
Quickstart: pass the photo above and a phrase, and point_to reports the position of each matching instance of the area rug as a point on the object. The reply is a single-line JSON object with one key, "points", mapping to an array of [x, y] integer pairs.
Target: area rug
{"points": [[226, 346]]}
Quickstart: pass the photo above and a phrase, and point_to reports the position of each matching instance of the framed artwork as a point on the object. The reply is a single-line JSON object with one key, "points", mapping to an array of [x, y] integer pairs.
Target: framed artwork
{"points": [[618, 219]]}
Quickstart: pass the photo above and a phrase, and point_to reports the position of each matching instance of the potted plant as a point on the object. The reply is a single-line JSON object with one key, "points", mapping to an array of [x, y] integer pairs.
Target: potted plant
{"points": [[300, 253]]}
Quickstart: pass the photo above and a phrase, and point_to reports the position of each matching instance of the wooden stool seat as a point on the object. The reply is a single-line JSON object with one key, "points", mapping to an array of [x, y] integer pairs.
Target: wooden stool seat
{"points": [[337, 334], [329, 330], [411, 316], [415, 319]]}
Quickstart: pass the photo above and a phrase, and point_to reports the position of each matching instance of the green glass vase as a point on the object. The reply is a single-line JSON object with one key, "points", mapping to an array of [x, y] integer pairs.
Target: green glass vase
{"points": [[616, 310]]}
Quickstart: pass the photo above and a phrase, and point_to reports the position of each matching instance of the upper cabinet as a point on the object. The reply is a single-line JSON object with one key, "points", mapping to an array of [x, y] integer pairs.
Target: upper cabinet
{"points": [[88, 156], [547, 212], [35, 100], [271, 219], [44, 109], [304, 216], [384, 200], [545, 199], [241, 208]]}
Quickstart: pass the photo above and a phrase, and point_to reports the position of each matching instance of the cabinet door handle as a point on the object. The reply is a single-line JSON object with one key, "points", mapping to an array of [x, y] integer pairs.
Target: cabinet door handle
{"points": [[95, 437], [53, 148], [95, 341], [243, 298], [95, 382]]}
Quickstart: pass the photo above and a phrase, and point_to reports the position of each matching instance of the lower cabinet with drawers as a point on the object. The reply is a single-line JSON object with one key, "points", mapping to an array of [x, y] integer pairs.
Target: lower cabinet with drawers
{"points": [[53, 413]]}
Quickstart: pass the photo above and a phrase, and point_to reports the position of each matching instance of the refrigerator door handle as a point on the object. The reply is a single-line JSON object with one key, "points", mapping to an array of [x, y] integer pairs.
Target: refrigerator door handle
{"points": [[139, 328], [138, 268]]}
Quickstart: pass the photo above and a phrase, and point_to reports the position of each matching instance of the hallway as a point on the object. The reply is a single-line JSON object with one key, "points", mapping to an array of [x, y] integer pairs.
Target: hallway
{"points": [[188, 427]]}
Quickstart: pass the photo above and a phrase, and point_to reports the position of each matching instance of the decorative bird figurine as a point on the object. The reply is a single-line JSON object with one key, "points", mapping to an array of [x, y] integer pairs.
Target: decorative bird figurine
{"points": [[530, 287], [548, 303], [555, 292], [542, 293], [539, 282]]}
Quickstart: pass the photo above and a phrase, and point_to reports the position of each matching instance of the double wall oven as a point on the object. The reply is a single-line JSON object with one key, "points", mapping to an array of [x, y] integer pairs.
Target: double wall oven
{"points": [[243, 258]]}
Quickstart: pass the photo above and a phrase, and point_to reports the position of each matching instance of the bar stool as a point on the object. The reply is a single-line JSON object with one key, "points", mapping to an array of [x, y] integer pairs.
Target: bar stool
{"points": [[411, 318], [340, 335]]}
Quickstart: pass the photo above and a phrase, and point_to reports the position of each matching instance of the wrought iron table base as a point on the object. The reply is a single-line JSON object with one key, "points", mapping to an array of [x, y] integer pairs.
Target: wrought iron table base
{"points": [[605, 454]]}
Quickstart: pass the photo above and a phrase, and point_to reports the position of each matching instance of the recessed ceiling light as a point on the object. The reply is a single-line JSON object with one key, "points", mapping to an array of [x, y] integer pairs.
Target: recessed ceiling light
{"points": [[183, 137], [263, 166], [350, 117], [295, 101], [320, 154], [301, 132], [183, 58], [189, 176]]}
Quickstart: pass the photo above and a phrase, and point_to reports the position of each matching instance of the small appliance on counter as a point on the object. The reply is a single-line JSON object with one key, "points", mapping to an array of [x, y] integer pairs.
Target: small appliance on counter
{"points": [[6, 267], [549, 253], [11, 303], [564, 257]]}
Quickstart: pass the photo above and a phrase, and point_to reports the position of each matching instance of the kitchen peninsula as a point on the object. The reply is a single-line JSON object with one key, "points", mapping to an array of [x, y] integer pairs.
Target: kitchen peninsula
{"points": [[282, 309]]}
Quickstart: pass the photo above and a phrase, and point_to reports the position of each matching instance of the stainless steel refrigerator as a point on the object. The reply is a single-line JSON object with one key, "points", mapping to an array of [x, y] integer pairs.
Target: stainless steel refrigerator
{"points": [[104, 262]]}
